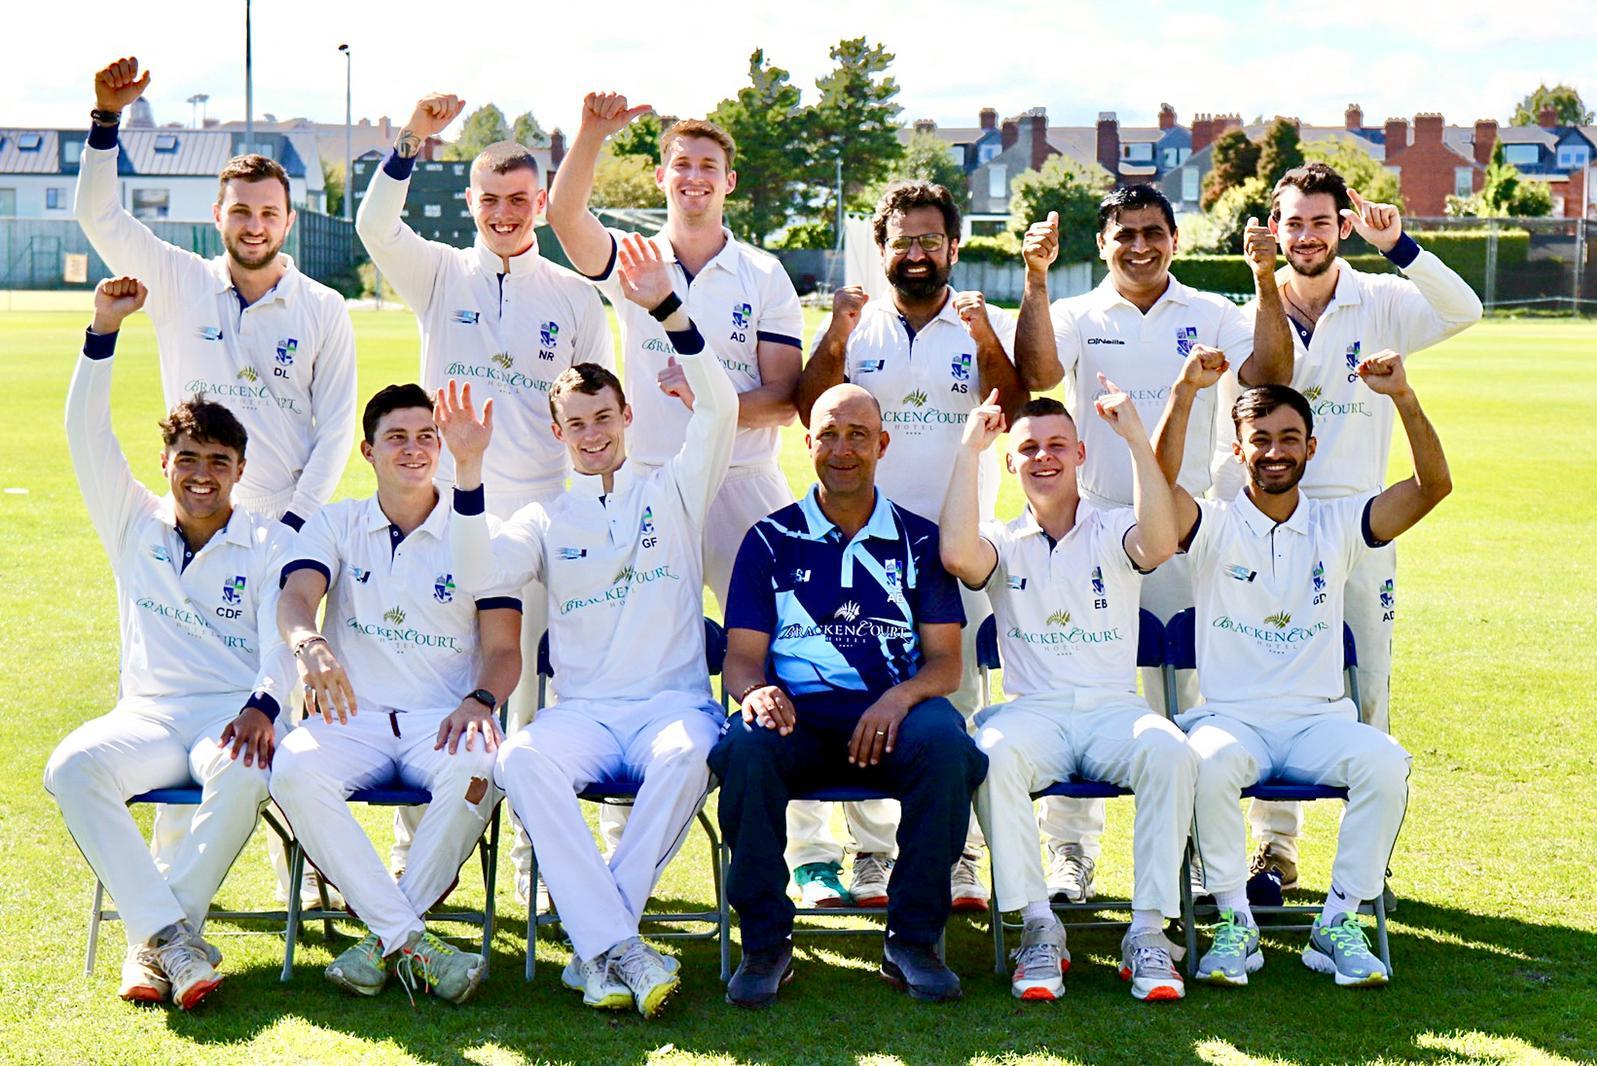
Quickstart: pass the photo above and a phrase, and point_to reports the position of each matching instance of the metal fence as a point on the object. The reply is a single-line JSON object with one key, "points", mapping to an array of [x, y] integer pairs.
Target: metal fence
{"points": [[33, 252], [1555, 269]]}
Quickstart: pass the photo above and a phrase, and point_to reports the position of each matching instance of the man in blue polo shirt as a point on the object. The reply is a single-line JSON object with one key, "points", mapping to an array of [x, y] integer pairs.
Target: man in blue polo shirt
{"points": [[844, 596]]}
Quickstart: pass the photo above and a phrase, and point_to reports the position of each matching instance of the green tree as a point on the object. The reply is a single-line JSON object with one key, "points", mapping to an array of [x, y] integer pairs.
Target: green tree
{"points": [[641, 138], [767, 123], [333, 182], [527, 130], [1236, 159], [856, 121], [1505, 192], [624, 181], [1065, 186], [1280, 149], [482, 127], [926, 158], [1563, 98], [1358, 168], [1230, 213]]}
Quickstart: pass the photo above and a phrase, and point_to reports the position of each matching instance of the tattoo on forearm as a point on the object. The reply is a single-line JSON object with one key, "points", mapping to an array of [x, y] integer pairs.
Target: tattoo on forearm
{"points": [[407, 145]]}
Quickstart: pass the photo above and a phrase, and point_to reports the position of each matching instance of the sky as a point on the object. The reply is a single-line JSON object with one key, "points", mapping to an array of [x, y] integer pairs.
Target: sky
{"points": [[1467, 59]]}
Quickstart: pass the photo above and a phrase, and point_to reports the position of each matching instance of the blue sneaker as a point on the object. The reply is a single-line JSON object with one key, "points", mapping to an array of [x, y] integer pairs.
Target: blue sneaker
{"points": [[1233, 954], [1342, 950], [820, 884]]}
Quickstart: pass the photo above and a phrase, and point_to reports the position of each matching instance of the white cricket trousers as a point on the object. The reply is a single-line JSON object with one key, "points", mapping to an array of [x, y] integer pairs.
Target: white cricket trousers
{"points": [[1166, 592], [1308, 742], [1034, 741], [144, 744], [873, 824], [661, 742], [320, 764]]}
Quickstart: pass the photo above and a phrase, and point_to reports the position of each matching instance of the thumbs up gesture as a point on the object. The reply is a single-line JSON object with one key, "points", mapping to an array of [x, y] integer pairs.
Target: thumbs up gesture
{"points": [[673, 381], [1258, 247], [1041, 245]]}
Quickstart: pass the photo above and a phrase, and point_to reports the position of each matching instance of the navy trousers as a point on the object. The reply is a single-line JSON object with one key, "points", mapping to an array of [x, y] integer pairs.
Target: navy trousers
{"points": [[933, 770]]}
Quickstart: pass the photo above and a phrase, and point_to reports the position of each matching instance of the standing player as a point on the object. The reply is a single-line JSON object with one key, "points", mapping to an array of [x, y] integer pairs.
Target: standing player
{"points": [[928, 355], [1337, 313], [1137, 327], [1064, 579], [407, 663], [620, 553], [501, 316], [1270, 654], [246, 329], [196, 579]]}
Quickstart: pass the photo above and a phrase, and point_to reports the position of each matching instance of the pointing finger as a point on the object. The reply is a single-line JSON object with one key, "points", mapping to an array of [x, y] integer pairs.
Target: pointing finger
{"points": [[992, 398]]}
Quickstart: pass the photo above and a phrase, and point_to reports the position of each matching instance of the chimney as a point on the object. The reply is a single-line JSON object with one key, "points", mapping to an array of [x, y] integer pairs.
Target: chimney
{"points": [[925, 125], [1354, 116], [557, 149], [989, 118], [1547, 117], [1167, 116], [1008, 135], [1109, 143], [1396, 136], [1428, 128], [1485, 139], [1202, 132], [1038, 120]]}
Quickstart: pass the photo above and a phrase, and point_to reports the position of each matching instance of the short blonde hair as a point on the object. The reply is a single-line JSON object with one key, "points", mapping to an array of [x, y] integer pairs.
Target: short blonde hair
{"points": [[698, 127]]}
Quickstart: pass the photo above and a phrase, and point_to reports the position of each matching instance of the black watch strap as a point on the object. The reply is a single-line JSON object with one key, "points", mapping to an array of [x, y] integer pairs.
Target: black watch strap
{"points": [[105, 118], [486, 698], [666, 308]]}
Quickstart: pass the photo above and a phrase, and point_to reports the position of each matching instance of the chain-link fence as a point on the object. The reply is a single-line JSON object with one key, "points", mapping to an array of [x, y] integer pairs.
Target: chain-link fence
{"points": [[1531, 263]]}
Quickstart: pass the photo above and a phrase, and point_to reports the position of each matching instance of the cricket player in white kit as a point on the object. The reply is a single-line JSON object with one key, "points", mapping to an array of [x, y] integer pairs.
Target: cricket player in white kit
{"points": [[245, 329], [1336, 315], [620, 553], [195, 577], [1270, 572], [1065, 582], [501, 316], [1137, 327], [928, 356], [406, 676]]}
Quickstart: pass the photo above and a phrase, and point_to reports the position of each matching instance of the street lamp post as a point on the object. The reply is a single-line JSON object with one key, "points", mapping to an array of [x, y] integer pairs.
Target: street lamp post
{"points": [[249, 85], [349, 134]]}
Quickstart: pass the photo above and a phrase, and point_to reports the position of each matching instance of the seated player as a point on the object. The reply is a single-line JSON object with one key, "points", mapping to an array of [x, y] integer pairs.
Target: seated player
{"points": [[1065, 580], [844, 595], [196, 577], [619, 552], [1268, 573], [405, 675]]}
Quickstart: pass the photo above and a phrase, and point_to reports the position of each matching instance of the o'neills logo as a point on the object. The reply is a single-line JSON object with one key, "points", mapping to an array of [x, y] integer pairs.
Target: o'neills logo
{"points": [[621, 587], [1063, 633], [499, 375], [394, 631], [1277, 630]]}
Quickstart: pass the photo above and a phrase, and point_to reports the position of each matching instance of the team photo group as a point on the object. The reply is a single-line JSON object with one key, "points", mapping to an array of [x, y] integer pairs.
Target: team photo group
{"points": [[1211, 473]]}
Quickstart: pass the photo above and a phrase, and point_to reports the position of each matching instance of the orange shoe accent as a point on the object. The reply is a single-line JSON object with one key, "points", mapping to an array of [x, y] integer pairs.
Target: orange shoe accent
{"points": [[142, 994], [199, 992], [1125, 973], [1164, 992], [1038, 994], [1064, 966], [870, 901], [970, 904]]}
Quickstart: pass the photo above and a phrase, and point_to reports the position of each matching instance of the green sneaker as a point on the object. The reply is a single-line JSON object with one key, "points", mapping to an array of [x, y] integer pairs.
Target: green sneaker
{"points": [[1342, 950], [820, 884], [428, 963], [360, 969], [1234, 953]]}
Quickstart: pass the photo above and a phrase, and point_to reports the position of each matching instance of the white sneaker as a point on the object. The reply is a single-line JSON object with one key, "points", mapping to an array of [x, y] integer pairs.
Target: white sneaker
{"points": [[524, 891], [597, 981], [143, 980], [1069, 874], [1147, 960], [868, 883], [968, 891], [1040, 962], [651, 976], [182, 958]]}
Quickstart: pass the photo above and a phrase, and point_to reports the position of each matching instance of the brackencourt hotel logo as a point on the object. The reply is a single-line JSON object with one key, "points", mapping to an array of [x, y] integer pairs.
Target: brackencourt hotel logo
{"points": [[1275, 631], [243, 388], [621, 587], [397, 633], [1061, 632]]}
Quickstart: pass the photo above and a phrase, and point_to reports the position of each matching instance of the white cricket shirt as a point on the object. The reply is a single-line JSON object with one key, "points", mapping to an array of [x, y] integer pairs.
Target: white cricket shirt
{"points": [[508, 334], [397, 619], [1066, 612], [1270, 597], [927, 385], [624, 569], [741, 297], [193, 623], [285, 365], [1102, 331]]}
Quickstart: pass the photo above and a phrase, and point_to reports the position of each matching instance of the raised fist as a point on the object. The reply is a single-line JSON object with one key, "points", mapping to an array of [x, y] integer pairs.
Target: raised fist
{"points": [[114, 300], [1383, 372], [434, 112], [1041, 245], [847, 303], [1204, 366], [118, 84], [607, 113]]}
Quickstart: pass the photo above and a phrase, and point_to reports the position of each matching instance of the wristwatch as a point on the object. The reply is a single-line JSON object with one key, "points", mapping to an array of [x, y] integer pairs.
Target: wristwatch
{"points": [[484, 697]]}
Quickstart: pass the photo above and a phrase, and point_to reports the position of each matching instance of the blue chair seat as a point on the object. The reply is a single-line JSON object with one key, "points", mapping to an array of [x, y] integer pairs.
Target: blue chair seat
{"points": [[393, 794], [1079, 788], [1289, 790], [189, 795]]}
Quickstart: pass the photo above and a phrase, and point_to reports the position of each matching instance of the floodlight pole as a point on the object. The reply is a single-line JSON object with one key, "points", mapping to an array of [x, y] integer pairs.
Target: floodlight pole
{"points": [[349, 133], [249, 85]]}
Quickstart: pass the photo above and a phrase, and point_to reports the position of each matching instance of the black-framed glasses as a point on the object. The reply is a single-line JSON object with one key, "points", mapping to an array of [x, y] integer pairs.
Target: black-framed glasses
{"points": [[929, 242]]}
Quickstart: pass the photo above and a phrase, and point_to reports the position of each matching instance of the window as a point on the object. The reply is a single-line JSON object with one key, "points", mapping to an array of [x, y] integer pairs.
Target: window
{"points": [[998, 181], [1522, 155], [166, 143], [432, 211], [55, 199], [1463, 181], [1189, 185], [29, 142], [986, 153], [151, 203], [8, 202], [956, 155], [1571, 156], [1171, 158], [1141, 152], [71, 151]]}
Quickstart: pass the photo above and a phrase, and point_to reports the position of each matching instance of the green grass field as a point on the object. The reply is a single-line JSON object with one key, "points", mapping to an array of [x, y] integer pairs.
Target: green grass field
{"points": [[1493, 944]]}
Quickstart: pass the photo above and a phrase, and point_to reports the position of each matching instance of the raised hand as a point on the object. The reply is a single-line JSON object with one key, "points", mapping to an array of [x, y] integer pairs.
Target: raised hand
{"points": [[1040, 247], [118, 84], [433, 112], [607, 113], [1258, 247], [971, 307], [465, 435], [1380, 224], [114, 300], [673, 381], [645, 277], [847, 303], [984, 425], [1383, 372], [1204, 366], [1117, 408]]}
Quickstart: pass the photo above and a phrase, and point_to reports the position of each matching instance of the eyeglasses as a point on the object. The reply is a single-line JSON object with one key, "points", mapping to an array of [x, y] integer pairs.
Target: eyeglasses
{"points": [[929, 242]]}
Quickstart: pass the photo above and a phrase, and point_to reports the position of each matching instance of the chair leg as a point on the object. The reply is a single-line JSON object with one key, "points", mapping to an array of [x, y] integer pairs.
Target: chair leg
{"points": [[1380, 930], [723, 860], [296, 871], [995, 918], [531, 966], [94, 926], [490, 880], [1189, 919]]}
